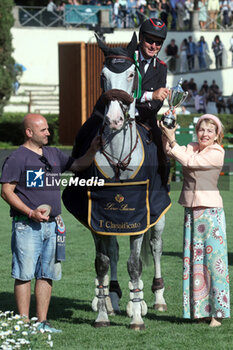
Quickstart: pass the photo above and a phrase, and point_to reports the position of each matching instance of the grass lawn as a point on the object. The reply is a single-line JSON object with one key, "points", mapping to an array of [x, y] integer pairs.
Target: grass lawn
{"points": [[70, 307]]}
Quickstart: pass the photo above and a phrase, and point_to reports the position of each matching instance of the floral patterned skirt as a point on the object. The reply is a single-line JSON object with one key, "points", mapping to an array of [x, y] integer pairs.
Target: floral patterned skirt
{"points": [[205, 275]]}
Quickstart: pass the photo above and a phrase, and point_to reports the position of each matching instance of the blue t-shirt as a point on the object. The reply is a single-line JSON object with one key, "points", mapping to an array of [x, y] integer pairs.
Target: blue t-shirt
{"points": [[37, 178]]}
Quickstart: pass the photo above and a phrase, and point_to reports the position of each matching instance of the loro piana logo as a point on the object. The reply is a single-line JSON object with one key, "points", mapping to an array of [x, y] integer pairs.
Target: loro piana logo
{"points": [[119, 198]]}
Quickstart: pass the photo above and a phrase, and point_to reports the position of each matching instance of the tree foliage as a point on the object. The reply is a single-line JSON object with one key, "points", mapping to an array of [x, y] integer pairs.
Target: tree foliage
{"points": [[7, 63]]}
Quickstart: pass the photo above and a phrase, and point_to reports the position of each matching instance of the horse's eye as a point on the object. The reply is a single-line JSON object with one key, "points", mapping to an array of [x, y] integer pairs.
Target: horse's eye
{"points": [[131, 75]]}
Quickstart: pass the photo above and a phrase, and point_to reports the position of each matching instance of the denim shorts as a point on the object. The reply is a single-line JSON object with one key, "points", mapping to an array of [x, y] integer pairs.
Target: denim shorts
{"points": [[33, 247]]}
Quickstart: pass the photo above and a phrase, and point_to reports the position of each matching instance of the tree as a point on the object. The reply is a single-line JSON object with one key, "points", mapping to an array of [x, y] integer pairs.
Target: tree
{"points": [[7, 63]]}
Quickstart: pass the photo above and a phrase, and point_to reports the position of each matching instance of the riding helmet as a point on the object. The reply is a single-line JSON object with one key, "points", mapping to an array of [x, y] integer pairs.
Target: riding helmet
{"points": [[153, 26]]}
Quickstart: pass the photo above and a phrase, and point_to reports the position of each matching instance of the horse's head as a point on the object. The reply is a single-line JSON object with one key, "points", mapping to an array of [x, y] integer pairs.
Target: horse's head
{"points": [[119, 81]]}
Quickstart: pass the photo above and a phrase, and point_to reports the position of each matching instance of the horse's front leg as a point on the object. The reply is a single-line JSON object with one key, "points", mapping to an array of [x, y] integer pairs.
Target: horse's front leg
{"points": [[156, 244], [136, 307], [114, 289], [102, 303]]}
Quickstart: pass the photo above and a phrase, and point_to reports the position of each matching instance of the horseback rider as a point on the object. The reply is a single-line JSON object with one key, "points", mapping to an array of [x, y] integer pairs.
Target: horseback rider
{"points": [[152, 34]]}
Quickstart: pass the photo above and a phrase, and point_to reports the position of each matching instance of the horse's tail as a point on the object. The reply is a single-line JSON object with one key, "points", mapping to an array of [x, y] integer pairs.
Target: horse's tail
{"points": [[146, 249]]}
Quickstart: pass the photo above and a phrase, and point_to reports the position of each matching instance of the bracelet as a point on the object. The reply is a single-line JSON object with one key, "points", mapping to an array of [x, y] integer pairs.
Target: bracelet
{"points": [[171, 143], [30, 213]]}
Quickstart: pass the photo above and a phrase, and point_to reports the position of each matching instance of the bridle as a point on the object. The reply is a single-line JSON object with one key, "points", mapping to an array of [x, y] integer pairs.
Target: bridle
{"points": [[125, 100]]}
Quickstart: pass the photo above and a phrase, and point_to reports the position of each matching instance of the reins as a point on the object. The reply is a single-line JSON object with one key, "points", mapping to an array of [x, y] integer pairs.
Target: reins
{"points": [[122, 164], [124, 99]]}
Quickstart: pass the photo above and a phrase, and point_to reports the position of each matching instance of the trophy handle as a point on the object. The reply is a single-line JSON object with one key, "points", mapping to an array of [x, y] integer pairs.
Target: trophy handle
{"points": [[185, 95]]}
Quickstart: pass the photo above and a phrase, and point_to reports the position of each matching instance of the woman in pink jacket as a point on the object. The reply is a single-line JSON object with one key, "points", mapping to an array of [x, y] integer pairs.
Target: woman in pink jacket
{"points": [[205, 276]]}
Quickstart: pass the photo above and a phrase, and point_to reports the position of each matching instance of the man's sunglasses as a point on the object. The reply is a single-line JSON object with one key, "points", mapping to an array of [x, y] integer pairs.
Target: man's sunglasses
{"points": [[48, 166], [153, 41]]}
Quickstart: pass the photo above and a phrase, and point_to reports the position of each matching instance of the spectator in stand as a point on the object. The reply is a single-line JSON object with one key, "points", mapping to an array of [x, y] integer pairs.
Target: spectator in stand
{"points": [[61, 7], [202, 49], [225, 9], [214, 87], [183, 56], [220, 104], [172, 52], [173, 13], [217, 47], [180, 10], [200, 102], [192, 87], [231, 49], [202, 16], [213, 10], [231, 11], [132, 15], [123, 12], [141, 5], [188, 6], [211, 101], [191, 52], [164, 10], [205, 87], [185, 85], [51, 7], [116, 15], [153, 6], [230, 103]]}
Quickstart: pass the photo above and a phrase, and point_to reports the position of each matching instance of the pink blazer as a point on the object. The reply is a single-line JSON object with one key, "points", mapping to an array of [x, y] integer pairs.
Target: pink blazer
{"points": [[201, 172]]}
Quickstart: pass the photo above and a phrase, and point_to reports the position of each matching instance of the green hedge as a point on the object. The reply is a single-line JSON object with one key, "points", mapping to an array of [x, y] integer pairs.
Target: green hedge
{"points": [[11, 130]]}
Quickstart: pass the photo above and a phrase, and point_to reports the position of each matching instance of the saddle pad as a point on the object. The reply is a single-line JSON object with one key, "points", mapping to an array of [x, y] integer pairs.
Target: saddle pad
{"points": [[119, 208]]}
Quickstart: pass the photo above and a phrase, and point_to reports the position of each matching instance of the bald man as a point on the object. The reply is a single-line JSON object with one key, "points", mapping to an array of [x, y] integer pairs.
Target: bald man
{"points": [[27, 178]]}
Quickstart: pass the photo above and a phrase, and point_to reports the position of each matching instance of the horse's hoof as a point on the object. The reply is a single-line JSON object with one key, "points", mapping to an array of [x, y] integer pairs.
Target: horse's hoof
{"points": [[160, 307], [137, 327], [101, 324]]}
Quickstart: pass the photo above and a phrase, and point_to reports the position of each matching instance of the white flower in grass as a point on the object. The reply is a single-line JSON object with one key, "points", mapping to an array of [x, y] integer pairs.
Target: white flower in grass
{"points": [[11, 340], [8, 332], [49, 337], [4, 324], [16, 317], [17, 328], [50, 343], [20, 322], [9, 319], [34, 319], [24, 333]]}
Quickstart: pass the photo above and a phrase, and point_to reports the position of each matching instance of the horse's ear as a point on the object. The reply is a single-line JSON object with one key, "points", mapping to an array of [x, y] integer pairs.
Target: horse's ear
{"points": [[102, 45], [132, 46]]}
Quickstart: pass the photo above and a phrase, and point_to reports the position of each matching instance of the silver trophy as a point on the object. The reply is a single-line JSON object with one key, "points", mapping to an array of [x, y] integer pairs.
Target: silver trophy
{"points": [[175, 98]]}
